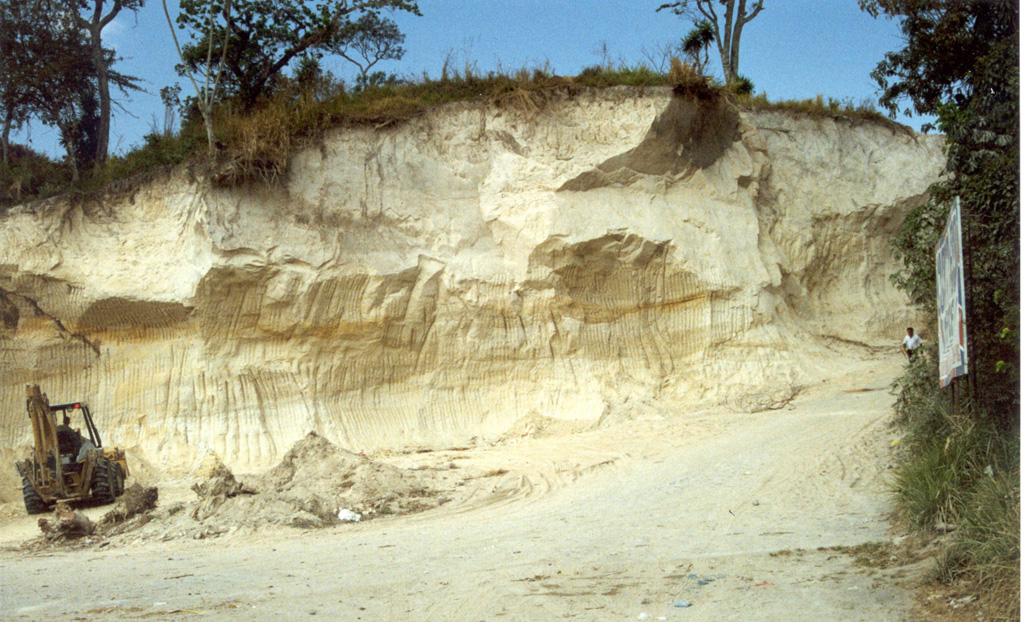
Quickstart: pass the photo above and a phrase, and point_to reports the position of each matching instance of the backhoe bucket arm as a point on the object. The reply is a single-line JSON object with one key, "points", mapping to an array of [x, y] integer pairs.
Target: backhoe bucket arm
{"points": [[44, 431]]}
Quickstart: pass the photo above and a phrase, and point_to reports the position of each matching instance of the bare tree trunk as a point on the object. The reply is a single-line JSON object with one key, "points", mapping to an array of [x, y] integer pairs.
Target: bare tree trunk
{"points": [[741, 20], [206, 97], [69, 143], [8, 122], [725, 45], [103, 87], [6, 139]]}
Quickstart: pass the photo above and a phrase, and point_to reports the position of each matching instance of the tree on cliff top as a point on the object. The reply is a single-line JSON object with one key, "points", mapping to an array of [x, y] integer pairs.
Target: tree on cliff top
{"points": [[264, 36], [206, 95], [369, 40], [727, 29], [49, 73], [93, 22], [16, 30]]}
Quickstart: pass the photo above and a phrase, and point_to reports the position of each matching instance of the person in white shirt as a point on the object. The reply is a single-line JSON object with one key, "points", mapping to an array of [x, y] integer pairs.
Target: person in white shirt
{"points": [[910, 344]]}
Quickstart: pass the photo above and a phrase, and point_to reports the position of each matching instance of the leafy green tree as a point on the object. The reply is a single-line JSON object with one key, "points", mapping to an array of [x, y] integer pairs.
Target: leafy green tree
{"points": [[16, 29], [88, 15], [961, 63], [727, 28], [50, 74], [60, 91], [369, 40], [259, 38]]}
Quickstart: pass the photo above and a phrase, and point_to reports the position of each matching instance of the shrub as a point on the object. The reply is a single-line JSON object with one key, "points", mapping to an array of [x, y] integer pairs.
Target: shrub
{"points": [[742, 85], [157, 150], [30, 175], [919, 407]]}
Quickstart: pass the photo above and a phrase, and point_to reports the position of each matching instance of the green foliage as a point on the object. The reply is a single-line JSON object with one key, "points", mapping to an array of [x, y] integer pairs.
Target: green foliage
{"points": [[265, 36], [16, 31], [376, 80], [919, 407], [30, 175], [369, 40], [961, 63], [945, 43], [157, 150], [256, 145], [925, 486], [696, 43], [171, 98], [51, 72], [89, 19], [978, 110], [944, 457], [742, 85], [929, 486], [633, 75], [819, 106], [60, 86], [915, 244]]}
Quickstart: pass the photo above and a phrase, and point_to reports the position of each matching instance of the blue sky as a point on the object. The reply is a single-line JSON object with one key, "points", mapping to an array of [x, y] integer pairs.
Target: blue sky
{"points": [[794, 49]]}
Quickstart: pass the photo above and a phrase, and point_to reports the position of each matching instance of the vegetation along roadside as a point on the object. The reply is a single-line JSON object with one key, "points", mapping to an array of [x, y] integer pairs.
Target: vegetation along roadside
{"points": [[959, 468]]}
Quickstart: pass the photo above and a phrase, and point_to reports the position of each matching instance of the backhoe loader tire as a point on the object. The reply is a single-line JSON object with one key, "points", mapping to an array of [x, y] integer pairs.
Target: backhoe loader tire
{"points": [[34, 504], [102, 487], [117, 477]]}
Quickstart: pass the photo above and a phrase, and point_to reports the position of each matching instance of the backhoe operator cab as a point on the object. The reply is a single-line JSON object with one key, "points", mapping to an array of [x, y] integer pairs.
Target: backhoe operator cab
{"points": [[67, 465]]}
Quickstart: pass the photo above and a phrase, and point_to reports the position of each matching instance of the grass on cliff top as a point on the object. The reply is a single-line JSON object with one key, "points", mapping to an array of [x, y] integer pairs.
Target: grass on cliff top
{"points": [[256, 147]]}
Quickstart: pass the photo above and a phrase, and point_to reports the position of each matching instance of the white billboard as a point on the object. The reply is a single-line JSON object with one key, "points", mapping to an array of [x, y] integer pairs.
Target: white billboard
{"points": [[950, 293]]}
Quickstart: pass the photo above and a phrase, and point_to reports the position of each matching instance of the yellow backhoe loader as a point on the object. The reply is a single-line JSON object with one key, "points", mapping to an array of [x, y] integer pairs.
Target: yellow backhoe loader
{"points": [[67, 466]]}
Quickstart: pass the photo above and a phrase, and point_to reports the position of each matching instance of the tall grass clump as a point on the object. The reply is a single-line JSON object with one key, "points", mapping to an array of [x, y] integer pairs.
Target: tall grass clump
{"points": [[960, 472], [986, 551], [621, 75], [930, 486]]}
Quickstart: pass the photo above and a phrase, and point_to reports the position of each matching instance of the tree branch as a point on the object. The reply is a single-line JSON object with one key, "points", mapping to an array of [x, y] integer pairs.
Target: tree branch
{"points": [[757, 8]]}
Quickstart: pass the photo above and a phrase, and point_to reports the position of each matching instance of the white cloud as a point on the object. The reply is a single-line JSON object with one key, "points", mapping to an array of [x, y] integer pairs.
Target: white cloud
{"points": [[119, 32]]}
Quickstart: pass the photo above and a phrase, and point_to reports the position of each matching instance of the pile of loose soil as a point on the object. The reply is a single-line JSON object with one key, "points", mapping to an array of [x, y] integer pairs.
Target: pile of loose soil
{"points": [[315, 481]]}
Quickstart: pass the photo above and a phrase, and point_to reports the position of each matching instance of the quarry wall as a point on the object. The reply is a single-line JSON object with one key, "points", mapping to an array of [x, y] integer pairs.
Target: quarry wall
{"points": [[470, 273]]}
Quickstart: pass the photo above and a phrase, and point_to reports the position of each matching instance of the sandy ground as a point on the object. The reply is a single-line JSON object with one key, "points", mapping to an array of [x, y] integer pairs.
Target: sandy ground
{"points": [[699, 516]]}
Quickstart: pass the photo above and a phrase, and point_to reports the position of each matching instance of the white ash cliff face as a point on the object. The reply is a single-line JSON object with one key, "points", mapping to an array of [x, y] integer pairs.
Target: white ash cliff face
{"points": [[459, 274]]}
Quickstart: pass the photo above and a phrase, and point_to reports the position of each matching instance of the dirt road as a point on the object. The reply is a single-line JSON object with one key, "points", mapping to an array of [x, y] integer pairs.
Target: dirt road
{"points": [[700, 516]]}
